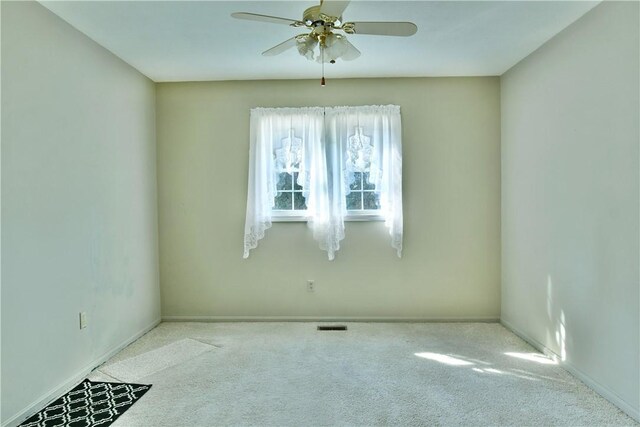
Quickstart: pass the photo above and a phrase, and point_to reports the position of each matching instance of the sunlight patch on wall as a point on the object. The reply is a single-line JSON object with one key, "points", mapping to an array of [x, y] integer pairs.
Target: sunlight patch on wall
{"points": [[561, 338]]}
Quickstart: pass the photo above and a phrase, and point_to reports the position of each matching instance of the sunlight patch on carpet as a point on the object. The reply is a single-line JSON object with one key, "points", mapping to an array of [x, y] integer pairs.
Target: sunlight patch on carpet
{"points": [[533, 357], [443, 358]]}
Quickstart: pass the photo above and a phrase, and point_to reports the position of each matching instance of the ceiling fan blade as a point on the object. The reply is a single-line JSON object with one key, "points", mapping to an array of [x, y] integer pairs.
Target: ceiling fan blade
{"points": [[278, 49], [351, 53], [403, 29], [334, 7], [266, 18]]}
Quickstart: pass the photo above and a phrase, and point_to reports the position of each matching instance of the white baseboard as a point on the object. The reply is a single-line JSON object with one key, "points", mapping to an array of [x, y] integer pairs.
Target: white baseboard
{"points": [[602, 390], [326, 319], [59, 390]]}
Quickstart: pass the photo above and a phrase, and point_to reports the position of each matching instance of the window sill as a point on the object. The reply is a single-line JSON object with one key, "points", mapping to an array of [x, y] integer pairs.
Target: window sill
{"points": [[352, 217]]}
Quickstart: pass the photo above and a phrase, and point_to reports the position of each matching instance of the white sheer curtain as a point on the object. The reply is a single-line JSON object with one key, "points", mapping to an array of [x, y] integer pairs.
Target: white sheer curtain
{"points": [[367, 138], [271, 130], [329, 145]]}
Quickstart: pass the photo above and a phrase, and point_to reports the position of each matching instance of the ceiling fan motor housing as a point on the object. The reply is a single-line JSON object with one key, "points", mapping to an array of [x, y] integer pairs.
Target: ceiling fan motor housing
{"points": [[313, 18]]}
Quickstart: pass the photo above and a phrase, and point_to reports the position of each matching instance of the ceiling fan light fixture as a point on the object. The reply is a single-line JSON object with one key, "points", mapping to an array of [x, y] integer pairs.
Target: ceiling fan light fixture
{"points": [[306, 47], [334, 47]]}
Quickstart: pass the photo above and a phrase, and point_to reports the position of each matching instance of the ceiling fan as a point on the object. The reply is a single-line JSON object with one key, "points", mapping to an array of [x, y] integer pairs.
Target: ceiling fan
{"points": [[323, 44]]}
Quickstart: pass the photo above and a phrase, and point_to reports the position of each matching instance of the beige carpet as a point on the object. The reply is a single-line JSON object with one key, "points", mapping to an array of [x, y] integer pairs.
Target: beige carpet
{"points": [[290, 374]]}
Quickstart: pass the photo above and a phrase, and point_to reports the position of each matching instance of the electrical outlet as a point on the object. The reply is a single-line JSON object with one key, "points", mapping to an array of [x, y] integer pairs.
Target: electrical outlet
{"points": [[310, 285], [83, 320]]}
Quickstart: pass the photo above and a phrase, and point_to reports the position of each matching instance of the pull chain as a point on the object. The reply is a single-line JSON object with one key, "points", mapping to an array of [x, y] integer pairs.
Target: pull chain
{"points": [[322, 82]]}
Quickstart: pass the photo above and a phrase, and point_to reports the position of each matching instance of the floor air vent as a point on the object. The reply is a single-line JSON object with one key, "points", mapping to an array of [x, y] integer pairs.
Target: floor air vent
{"points": [[332, 328]]}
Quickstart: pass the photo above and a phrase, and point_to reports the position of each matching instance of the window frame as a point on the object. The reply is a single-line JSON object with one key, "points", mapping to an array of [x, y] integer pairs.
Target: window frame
{"points": [[300, 215]]}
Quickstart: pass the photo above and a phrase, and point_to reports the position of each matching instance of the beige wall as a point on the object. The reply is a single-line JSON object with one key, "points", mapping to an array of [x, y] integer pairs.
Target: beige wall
{"points": [[570, 200], [450, 267], [79, 206]]}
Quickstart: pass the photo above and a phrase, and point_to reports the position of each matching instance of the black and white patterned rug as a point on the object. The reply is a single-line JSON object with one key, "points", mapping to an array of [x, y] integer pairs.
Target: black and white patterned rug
{"points": [[89, 404]]}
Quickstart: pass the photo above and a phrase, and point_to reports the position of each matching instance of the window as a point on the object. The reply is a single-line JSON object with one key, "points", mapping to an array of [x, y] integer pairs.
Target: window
{"points": [[362, 196], [361, 199], [289, 202], [289, 197], [324, 166]]}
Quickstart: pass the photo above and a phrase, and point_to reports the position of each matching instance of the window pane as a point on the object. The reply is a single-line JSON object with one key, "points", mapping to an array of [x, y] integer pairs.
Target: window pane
{"points": [[298, 201], [353, 201], [371, 200], [284, 181], [367, 185], [357, 183], [283, 201], [295, 181]]}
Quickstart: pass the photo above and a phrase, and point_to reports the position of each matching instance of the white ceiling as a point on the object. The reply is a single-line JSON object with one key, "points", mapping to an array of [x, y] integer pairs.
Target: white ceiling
{"points": [[198, 40]]}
